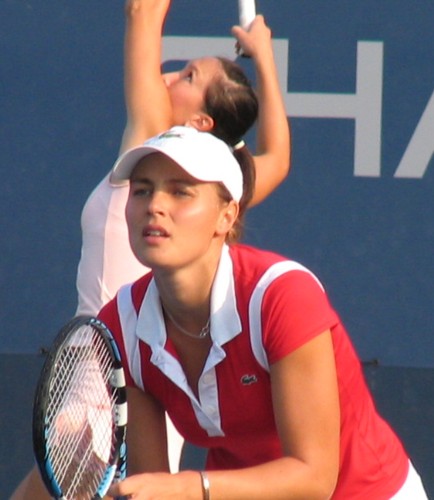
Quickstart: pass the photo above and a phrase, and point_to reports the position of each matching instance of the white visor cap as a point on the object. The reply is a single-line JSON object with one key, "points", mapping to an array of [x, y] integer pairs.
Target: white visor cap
{"points": [[200, 154]]}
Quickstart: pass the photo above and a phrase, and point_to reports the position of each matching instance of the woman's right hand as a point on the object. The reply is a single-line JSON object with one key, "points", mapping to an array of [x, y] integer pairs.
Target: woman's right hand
{"points": [[256, 41]]}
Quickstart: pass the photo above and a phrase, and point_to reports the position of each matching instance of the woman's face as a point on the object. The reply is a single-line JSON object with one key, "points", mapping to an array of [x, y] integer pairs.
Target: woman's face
{"points": [[174, 219], [187, 87]]}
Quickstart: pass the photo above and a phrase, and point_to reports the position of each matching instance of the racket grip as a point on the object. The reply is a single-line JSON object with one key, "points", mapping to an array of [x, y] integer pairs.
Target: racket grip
{"points": [[246, 12]]}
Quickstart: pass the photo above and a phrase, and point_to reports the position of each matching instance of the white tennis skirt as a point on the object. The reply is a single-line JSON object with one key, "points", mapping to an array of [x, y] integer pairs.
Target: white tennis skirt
{"points": [[413, 488]]}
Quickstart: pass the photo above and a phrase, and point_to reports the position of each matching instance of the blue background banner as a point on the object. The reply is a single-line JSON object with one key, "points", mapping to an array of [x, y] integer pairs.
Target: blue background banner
{"points": [[357, 208]]}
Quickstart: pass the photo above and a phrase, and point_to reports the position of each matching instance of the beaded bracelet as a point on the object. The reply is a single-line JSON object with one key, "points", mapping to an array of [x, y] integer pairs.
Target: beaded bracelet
{"points": [[205, 485]]}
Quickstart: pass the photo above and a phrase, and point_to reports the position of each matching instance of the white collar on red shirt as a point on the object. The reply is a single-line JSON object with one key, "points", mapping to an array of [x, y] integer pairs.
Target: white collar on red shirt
{"points": [[225, 325], [225, 321]]}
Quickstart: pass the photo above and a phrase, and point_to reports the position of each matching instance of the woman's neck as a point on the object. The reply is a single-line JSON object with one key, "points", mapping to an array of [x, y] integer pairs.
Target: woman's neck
{"points": [[185, 295]]}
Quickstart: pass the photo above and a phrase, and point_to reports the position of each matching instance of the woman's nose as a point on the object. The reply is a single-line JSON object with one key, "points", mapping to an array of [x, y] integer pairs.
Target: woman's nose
{"points": [[156, 203], [170, 78]]}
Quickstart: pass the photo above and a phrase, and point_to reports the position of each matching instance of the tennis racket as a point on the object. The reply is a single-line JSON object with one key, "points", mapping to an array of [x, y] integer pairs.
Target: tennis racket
{"points": [[80, 413]]}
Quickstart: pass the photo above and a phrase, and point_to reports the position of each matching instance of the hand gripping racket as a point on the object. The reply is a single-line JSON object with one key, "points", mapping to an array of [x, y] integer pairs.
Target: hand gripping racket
{"points": [[80, 413]]}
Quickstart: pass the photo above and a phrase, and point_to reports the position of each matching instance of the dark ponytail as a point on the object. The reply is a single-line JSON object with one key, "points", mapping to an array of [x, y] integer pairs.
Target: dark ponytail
{"points": [[232, 103], [247, 166], [245, 160]]}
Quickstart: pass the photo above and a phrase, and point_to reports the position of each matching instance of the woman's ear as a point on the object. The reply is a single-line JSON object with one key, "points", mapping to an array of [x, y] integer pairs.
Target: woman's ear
{"points": [[201, 122], [228, 217]]}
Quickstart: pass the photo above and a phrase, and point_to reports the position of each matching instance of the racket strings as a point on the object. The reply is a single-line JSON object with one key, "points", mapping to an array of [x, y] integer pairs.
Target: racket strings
{"points": [[80, 414]]}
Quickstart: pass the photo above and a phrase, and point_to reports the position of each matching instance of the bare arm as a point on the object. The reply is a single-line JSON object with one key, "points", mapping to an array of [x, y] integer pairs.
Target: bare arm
{"points": [[143, 81], [147, 451], [272, 159], [146, 434], [306, 407], [144, 86]]}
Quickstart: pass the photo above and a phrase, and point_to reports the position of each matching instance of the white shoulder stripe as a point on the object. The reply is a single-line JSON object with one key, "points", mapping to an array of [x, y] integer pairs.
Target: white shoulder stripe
{"points": [[255, 305], [128, 320]]}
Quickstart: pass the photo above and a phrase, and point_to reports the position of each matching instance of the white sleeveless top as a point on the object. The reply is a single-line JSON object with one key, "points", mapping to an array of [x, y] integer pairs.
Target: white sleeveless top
{"points": [[107, 261]]}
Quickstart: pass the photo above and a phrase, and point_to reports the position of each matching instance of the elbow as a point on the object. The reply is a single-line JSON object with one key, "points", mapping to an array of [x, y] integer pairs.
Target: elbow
{"points": [[282, 167], [281, 164], [133, 8], [283, 160], [287, 160], [323, 479], [327, 483], [286, 150], [327, 490], [322, 489], [285, 167]]}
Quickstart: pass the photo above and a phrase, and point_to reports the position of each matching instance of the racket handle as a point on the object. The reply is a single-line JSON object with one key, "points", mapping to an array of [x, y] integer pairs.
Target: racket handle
{"points": [[246, 12]]}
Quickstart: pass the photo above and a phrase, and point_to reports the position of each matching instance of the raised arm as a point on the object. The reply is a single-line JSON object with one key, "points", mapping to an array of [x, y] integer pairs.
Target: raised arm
{"points": [[147, 101], [272, 158]]}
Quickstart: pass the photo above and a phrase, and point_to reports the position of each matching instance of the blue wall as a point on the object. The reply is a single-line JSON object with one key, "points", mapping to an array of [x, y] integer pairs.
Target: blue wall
{"points": [[358, 207]]}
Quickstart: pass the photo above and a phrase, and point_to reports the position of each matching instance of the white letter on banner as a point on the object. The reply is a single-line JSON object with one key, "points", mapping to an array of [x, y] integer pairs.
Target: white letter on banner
{"points": [[420, 149], [365, 107]]}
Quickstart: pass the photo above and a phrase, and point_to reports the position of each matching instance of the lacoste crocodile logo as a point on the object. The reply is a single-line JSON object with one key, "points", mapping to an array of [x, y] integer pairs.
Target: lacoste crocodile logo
{"points": [[249, 379]]}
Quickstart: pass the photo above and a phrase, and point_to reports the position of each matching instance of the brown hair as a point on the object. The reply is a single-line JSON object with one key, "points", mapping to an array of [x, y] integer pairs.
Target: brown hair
{"points": [[247, 167], [232, 103]]}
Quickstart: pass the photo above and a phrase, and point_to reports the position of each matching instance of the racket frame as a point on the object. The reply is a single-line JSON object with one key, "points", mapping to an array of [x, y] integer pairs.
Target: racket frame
{"points": [[116, 469]]}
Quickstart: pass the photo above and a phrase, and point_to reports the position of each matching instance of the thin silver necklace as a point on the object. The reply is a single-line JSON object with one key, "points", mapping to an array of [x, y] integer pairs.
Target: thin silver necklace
{"points": [[201, 335]]}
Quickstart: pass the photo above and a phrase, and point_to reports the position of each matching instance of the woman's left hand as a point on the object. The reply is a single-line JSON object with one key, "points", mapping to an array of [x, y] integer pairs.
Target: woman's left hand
{"points": [[185, 485]]}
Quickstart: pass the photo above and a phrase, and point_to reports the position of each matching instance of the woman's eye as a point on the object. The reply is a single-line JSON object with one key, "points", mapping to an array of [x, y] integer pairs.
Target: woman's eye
{"points": [[181, 192], [188, 76], [141, 192]]}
